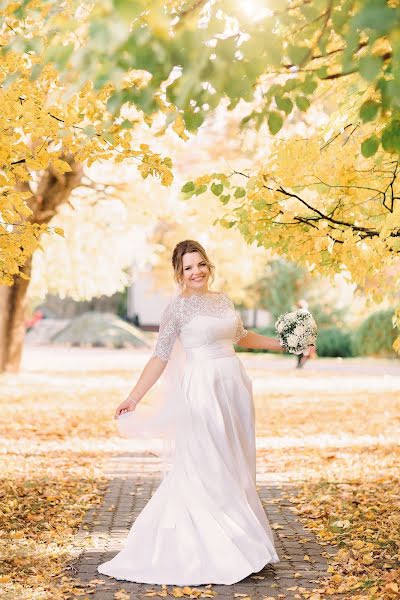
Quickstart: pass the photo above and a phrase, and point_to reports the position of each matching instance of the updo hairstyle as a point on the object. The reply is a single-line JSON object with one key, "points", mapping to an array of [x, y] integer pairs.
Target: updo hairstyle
{"points": [[177, 258]]}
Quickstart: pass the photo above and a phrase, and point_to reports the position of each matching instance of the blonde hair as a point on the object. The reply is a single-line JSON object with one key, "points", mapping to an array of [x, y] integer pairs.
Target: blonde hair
{"points": [[177, 258]]}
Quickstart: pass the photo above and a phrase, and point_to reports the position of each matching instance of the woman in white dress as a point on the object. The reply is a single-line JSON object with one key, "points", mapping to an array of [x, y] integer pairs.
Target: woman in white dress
{"points": [[205, 523]]}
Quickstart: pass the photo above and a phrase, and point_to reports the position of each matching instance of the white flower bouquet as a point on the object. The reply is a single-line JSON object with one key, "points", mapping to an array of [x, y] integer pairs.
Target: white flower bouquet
{"points": [[296, 330]]}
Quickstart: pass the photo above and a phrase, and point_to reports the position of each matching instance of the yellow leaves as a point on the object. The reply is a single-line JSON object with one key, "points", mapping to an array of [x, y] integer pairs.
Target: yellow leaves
{"points": [[323, 196], [183, 592], [18, 238], [59, 231], [179, 128], [342, 524], [330, 569], [17, 535], [40, 123], [154, 164], [122, 595], [4, 181], [203, 179], [36, 164], [61, 166], [396, 345], [367, 559], [166, 175], [10, 8], [20, 173]]}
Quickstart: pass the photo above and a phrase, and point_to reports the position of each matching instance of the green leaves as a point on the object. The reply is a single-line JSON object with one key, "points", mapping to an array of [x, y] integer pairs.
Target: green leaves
{"points": [[201, 189], [284, 103], [259, 204], [370, 146], [297, 53], [275, 122], [339, 18], [224, 198], [123, 36], [188, 187], [391, 137], [375, 15], [193, 120], [309, 86], [128, 9], [216, 183], [217, 189], [369, 110], [302, 102], [240, 192], [59, 55], [369, 67]]}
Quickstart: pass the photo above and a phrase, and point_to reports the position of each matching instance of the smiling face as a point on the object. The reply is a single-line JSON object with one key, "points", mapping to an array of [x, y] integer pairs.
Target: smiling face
{"points": [[195, 272]]}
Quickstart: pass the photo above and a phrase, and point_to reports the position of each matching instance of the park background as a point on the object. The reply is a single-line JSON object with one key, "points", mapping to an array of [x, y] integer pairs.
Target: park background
{"points": [[268, 131]]}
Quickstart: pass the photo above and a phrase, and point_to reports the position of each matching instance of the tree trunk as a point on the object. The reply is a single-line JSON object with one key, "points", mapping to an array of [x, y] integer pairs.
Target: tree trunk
{"points": [[53, 190], [12, 321]]}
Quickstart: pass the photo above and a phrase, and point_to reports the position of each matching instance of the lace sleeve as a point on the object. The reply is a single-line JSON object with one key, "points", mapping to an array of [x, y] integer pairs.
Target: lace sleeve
{"points": [[167, 333], [241, 331]]}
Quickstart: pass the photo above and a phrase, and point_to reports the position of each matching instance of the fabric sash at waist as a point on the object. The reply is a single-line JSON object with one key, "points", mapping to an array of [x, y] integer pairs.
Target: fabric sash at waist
{"points": [[210, 351]]}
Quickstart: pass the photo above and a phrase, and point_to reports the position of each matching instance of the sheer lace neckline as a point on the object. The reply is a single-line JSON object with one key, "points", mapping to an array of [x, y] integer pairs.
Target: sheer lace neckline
{"points": [[199, 295], [181, 310]]}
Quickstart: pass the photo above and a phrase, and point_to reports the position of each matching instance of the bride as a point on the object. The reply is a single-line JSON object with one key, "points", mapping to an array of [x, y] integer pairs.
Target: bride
{"points": [[205, 523]]}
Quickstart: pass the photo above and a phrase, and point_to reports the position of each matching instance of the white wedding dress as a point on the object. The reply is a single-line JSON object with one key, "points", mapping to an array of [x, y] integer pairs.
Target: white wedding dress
{"points": [[205, 523]]}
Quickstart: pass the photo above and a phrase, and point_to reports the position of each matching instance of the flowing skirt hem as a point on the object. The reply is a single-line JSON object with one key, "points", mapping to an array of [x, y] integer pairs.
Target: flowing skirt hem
{"points": [[214, 580]]}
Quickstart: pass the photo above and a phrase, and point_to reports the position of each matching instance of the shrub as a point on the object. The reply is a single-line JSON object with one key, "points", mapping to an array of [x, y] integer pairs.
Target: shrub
{"points": [[333, 341], [376, 335]]}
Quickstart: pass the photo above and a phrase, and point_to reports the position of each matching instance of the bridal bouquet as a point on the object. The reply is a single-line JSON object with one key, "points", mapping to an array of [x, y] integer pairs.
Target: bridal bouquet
{"points": [[296, 330]]}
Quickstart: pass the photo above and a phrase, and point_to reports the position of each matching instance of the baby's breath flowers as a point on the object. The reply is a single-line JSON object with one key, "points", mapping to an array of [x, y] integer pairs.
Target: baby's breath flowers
{"points": [[296, 330]]}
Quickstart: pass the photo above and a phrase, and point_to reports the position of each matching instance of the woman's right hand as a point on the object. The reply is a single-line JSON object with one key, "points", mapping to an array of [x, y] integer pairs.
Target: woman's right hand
{"points": [[125, 406]]}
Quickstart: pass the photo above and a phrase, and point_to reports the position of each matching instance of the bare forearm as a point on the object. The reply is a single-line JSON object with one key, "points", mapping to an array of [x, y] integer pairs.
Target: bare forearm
{"points": [[262, 342], [150, 374]]}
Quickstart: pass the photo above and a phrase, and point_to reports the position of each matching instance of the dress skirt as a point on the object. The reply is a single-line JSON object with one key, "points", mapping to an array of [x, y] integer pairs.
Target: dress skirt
{"points": [[205, 524]]}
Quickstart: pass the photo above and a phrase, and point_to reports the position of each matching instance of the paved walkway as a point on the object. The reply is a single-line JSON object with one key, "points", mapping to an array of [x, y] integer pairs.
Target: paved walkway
{"points": [[133, 479]]}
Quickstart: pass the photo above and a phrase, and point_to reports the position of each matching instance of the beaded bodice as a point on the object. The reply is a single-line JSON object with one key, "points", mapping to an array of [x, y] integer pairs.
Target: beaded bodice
{"points": [[178, 319]]}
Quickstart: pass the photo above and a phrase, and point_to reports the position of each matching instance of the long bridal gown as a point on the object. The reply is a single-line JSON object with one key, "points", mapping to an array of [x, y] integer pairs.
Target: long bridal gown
{"points": [[205, 523]]}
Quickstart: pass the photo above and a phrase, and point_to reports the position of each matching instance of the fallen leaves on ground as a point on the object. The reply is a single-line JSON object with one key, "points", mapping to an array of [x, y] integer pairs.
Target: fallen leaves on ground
{"points": [[330, 433], [182, 592], [341, 448], [50, 475]]}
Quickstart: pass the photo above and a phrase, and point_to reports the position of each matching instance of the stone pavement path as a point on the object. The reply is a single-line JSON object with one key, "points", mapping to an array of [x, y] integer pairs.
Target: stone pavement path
{"points": [[133, 479]]}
